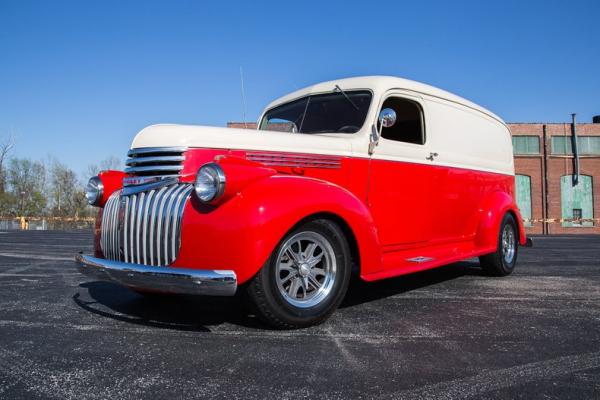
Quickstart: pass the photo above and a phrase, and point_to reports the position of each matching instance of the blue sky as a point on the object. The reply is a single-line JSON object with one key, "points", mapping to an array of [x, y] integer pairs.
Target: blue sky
{"points": [[79, 79]]}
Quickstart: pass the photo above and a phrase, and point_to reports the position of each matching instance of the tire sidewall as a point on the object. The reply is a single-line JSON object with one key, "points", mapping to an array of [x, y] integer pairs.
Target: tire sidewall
{"points": [[508, 220]]}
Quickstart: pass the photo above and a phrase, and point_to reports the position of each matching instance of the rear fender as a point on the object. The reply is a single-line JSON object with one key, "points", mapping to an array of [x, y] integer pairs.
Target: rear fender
{"points": [[492, 210]]}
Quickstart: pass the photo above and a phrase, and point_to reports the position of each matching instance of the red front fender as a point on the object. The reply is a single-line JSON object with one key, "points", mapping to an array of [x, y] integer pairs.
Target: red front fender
{"points": [[241, 233]]}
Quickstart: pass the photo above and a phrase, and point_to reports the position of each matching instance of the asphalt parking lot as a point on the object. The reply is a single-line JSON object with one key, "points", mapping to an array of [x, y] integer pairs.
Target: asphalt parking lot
{"points": [[445, 334]]}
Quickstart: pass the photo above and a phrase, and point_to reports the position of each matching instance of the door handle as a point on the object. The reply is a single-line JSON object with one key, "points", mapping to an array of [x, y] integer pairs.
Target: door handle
{"points": [[431, 156]]}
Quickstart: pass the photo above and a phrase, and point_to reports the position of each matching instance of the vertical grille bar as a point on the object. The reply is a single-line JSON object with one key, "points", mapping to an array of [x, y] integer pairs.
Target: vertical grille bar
{"points": [[114, 226], [145, 225], [160, 212], [153, 223], [109, 228], [125, 229], [129, 241], [175, 243], [138, 232], [169, 220]]}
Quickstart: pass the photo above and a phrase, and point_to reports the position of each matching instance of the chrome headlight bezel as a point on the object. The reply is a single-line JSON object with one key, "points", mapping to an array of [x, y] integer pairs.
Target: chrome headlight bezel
{"points": [[94, 191], [210, 182]]}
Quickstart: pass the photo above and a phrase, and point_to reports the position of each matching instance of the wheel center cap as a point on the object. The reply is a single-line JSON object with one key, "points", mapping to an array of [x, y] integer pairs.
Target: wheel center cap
{"points": [[303, 269]]}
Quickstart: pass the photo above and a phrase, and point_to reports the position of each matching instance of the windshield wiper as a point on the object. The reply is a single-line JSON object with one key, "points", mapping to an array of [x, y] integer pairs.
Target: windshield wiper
{"points": [[337, 88]]}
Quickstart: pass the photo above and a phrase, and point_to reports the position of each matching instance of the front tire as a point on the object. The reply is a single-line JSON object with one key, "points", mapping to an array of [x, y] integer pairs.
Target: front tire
{"points": [[306, 277], [502, 261]]}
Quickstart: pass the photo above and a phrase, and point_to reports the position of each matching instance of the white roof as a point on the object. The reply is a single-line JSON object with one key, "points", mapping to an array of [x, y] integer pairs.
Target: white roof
{"points": [[380, 84]]}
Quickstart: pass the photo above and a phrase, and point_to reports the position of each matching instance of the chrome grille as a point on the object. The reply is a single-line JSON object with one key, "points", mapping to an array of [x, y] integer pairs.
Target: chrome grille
{"points": [[155, 161], [144, 227]]}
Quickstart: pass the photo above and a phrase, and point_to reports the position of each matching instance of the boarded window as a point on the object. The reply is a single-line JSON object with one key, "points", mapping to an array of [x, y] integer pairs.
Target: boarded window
{"points": [[523, 197], [526, 144], [576, 197], [587, 145]]}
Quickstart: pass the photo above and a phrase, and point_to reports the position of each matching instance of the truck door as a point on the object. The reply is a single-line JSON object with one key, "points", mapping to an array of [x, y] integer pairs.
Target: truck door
{"points": [[401, 195]]}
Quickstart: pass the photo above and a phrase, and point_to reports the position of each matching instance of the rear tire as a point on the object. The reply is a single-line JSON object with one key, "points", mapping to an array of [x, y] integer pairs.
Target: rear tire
{"points": [[306, 277], [502, 261]]}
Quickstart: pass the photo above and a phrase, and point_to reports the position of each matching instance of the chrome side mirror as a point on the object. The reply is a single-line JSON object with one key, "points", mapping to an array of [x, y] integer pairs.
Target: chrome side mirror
{"points": [[387, 117]]}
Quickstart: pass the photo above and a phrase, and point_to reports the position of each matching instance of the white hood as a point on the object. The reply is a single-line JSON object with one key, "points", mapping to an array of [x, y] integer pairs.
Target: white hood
{"points": [[243, 139]]}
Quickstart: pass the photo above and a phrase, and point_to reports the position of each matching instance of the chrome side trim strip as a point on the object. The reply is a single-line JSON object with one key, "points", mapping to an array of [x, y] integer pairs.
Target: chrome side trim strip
{"points": [[147, 150], [154, 159], [147, 163], [161, 279], [153, 168]]}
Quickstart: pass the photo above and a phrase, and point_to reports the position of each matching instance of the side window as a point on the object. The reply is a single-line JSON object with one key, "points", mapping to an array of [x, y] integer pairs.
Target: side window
{"points": [[409, 126]]}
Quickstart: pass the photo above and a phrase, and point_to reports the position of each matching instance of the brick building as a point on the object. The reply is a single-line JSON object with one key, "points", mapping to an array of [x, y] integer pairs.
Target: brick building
{"points": [[552, 198], [546, 184]]}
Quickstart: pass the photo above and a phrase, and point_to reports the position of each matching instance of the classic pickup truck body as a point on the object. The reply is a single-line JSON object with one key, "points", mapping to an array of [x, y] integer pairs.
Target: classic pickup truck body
{"points": [[428, 183]]}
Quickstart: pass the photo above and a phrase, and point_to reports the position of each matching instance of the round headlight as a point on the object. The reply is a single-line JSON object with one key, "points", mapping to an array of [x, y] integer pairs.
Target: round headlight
{"points": [[94, 191], [210, 182]]}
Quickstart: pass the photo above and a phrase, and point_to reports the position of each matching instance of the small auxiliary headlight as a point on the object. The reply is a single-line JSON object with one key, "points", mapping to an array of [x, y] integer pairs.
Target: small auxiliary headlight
{"points": [[94, 191], [210, 182]]}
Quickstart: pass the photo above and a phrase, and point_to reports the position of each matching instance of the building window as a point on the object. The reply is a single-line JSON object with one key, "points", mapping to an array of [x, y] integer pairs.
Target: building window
{"points": [[526, 144], [577, 201], [587, 145], [523, 197]]}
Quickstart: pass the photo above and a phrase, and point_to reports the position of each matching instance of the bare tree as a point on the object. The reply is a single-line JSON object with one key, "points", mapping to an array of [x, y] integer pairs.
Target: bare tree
{"points": [[68, 199], [5, 147], [111, 162]]}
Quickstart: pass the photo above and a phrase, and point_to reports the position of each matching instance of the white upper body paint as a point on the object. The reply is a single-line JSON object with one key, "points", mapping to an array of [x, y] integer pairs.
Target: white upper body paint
{"points": [[463, 134]]}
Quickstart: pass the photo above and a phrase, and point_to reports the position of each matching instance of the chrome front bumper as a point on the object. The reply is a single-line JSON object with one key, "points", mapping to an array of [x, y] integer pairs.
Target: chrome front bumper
{"points": [[160, 279]]}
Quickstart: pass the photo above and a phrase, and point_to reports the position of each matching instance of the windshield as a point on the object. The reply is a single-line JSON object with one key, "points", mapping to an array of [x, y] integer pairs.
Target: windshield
{"points": [[337, 112]]}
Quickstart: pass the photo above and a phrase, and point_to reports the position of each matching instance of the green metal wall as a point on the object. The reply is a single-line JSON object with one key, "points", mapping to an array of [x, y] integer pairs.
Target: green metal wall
{"points": [[523, 196], [579, 196]]}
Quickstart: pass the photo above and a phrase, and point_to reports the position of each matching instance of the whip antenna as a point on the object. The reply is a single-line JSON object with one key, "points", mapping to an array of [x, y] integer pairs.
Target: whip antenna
{"points": [[243, 97]]}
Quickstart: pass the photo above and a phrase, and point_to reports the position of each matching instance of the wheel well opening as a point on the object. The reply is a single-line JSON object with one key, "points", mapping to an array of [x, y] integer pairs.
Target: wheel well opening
{"points": [[348, 233]]}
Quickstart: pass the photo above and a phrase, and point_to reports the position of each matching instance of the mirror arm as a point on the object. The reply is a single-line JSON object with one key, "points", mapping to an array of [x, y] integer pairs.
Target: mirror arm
{"points": [[373, 139]]}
